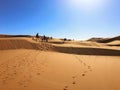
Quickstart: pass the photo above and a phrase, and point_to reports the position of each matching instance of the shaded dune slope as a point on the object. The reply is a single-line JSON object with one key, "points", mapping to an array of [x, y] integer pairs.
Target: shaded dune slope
{"points": [[88, 51], [114, 45]]}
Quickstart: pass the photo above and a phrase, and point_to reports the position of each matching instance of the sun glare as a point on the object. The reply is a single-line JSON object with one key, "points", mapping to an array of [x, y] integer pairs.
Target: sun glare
{"points": [[86, 4]]}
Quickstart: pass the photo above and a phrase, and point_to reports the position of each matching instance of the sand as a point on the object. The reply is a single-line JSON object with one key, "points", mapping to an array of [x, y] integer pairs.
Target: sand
{"points": [[29, 65]]}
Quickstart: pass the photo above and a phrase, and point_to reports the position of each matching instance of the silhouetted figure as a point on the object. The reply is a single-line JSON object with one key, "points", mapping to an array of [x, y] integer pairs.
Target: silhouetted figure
{"points": [[65, 39], [37, 36]]}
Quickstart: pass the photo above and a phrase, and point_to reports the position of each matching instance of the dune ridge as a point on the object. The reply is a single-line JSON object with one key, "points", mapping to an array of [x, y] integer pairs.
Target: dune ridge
{"points": [[7, 44]]}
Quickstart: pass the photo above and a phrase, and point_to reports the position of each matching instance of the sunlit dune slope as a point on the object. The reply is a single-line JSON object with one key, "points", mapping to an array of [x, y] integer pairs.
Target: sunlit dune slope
{"points": [[6, 44]]}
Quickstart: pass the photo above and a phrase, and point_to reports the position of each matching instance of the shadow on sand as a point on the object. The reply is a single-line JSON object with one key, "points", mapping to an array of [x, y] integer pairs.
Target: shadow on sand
{"points": [[88, 51], [114, 45], [56, 42]]}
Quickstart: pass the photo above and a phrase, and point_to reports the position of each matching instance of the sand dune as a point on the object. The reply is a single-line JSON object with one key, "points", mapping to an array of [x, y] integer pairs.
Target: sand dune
{"points": [[6, 44], [114, 43], [30, 65], [105, 40]]}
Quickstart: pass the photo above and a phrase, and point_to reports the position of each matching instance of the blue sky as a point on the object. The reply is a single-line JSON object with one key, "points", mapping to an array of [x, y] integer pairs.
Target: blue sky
{"points": [[75, 19]]}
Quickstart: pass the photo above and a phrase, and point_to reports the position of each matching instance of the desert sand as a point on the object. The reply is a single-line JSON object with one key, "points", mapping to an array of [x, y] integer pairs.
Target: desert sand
{"points": [[72, 65]]}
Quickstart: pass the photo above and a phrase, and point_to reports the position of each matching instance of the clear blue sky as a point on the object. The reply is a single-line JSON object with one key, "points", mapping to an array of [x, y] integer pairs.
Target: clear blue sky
{"points": [[78, 19]]}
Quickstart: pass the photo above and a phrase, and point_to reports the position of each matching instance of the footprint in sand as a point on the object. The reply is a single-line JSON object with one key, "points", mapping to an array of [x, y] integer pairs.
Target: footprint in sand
{"points": [[20, 83], [65, 88], [81, 61], [15, 73], [14, 66], [83, 74], [46, 65], [89, 67], [90, 70], [74, 82], [24, 86], [74, 77], [43, 71], [38, 73]]}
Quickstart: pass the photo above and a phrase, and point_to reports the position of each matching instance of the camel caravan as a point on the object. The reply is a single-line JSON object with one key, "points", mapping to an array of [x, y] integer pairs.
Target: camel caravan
{"points": [[38, 38]]}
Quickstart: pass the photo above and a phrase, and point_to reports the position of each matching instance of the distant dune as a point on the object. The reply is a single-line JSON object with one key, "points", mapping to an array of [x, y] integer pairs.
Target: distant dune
{"points": [[114, 43], [104, 40], [96, 39]]}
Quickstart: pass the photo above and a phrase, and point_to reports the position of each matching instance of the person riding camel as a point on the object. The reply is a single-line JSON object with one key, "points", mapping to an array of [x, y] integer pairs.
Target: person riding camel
{"points": [[37, 36]]}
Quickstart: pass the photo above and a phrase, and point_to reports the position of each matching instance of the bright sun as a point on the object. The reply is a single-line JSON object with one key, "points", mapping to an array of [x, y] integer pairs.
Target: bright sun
{"points": [[86, 4]]}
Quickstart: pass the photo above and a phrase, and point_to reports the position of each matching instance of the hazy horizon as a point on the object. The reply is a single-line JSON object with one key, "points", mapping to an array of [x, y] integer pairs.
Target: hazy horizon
{"points": [[74, 19]]}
